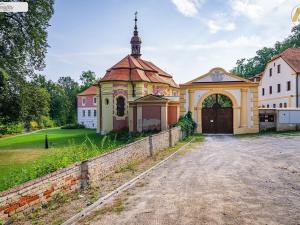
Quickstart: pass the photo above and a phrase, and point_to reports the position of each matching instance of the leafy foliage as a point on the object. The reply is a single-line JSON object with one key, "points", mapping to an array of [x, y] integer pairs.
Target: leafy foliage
{"points": [[87, 78], [250, 67], [187, 123]]}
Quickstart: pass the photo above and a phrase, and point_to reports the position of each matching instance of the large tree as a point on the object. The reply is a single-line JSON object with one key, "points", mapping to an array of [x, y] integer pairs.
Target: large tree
{"points": [[71, 88], [23, 45], [256, 64], [87, 78]]}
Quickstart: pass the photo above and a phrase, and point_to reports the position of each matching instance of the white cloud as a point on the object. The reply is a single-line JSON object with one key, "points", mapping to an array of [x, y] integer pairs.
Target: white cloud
{"points": [[239, 42], [221, 23], [188, 7], [262, 10]]}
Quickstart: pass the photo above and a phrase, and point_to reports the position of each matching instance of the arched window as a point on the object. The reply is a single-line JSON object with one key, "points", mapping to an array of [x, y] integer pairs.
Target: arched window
{"points": [[284, 105], [280, 105], [120, 106]]}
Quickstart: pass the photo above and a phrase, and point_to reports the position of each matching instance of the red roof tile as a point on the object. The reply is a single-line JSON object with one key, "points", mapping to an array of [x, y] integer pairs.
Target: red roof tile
{"points": [[292, 57], [89, 91], [133, 69]]}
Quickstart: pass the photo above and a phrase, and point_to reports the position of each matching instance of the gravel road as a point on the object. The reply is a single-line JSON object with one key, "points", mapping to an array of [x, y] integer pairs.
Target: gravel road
{"points": [[225, 180]]}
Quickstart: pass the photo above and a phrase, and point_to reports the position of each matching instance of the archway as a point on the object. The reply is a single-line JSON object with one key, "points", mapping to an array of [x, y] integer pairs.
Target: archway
{"points": [[217, 114]]}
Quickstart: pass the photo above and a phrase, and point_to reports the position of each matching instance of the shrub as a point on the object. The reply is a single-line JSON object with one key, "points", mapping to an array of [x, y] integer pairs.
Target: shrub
{"points": [[11, 128], [33, 125], [73, 126], [187, 123], [46, 122]]}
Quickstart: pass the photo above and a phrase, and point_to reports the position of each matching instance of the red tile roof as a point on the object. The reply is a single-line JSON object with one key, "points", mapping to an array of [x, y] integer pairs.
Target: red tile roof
{"points": [[257, 76], [292, 57], [89, 91], [136, 69]]}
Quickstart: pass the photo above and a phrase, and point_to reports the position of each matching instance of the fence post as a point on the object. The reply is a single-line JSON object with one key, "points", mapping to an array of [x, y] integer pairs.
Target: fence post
{"points": [[84, 174], [170, 137], [150, 145]]}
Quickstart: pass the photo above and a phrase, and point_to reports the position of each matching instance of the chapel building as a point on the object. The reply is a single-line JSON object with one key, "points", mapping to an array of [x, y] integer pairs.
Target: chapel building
{"points": [[137, 95]]}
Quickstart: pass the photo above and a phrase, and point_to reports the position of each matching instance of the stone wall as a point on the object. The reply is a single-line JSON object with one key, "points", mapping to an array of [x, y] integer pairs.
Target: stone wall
{"points": [[29, 195]]}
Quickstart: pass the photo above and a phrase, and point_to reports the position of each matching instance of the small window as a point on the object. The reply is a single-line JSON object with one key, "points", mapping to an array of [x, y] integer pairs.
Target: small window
{"points": [[278, 88], [133, 90], [280, 105], [268, 106], [95, 113], [89, 112], [263, 106], [289, 85], [274, 105], [271, 118], [270, 90], [120, 106], [285, 105], [95, 100], [83, 113], [263, 91], [270, 72], [262, 118], [278, 68], [83, 101], [106, 101]]}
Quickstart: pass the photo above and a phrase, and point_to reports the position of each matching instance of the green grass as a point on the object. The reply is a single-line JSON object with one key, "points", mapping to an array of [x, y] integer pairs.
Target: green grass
{"points": [[23, 158], [57, 138]]}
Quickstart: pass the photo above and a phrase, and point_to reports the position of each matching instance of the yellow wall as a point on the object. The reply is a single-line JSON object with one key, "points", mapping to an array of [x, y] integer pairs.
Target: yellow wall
{"points": [[240, 108]]}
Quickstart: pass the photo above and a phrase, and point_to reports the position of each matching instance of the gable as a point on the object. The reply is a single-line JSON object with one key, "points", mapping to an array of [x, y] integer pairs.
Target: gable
{"points": [[218, 75], [151, 98]]}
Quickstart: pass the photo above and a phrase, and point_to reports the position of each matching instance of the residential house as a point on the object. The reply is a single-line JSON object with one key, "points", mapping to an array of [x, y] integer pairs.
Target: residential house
{"points": [[86, 107], [280, 82]]}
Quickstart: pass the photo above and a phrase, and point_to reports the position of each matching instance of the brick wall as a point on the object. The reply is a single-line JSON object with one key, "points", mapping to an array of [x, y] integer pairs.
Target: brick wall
{"points": [[31, 194]]}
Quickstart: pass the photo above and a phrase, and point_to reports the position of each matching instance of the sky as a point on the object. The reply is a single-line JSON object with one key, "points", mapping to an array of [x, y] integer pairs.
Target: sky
{"points": [[186, 38]]}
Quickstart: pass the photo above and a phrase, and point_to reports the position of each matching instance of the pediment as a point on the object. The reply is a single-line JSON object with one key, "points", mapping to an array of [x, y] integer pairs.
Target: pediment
{"points": [[151, 98], [218, 75]]}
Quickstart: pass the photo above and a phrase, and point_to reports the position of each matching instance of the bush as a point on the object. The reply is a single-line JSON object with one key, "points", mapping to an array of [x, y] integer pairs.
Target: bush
{"points": [[73, 126], [187, 123], [46, 122], [11, 128], [33, 125]]}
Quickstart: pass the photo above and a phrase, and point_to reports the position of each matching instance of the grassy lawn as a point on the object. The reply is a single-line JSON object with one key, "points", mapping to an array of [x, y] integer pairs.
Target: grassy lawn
{"points": [[23, 157], [57, 138]]}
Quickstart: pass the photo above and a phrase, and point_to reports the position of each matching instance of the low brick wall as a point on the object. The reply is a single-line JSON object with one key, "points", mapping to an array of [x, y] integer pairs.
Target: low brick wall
{"points": [[29, 195]]}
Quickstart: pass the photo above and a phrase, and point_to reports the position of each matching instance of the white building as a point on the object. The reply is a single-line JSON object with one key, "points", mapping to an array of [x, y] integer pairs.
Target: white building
{"points": [[280, 82], [86, 107]]}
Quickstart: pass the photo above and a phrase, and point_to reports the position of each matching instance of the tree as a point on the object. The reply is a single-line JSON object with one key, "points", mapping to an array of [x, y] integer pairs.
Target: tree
{"points": [[87, 78], [23, 45], [71, 88], [250, 67]]}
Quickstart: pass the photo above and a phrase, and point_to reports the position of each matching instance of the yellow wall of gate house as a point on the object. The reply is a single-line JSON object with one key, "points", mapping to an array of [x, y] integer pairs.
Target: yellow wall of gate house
{"points": [[240, 108]]}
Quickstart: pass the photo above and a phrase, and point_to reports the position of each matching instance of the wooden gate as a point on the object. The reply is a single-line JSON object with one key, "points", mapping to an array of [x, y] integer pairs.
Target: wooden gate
{"points": [[217, 120]]}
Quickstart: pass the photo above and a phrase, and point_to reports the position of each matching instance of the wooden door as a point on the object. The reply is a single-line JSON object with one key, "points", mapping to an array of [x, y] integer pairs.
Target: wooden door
{"points": [[217, 120]]}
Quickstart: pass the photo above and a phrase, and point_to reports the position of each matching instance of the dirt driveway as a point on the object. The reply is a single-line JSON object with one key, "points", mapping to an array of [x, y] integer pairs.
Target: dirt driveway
{"points": [[225, 180]]}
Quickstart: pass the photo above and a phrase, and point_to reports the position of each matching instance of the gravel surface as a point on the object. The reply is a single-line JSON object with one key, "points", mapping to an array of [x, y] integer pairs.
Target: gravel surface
{"points": [[225, 180]]}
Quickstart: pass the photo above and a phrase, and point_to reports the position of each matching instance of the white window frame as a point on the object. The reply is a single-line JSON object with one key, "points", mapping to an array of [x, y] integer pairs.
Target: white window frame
{"points": [[83, 100]]}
